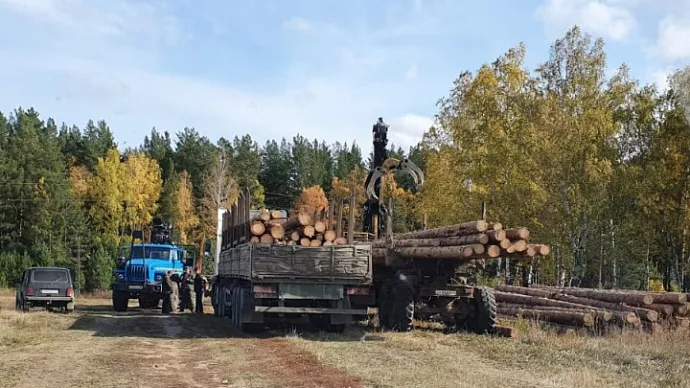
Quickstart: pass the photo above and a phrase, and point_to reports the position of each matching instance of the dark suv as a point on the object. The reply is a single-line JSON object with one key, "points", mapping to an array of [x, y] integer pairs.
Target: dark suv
{"points": [[45, 287]]}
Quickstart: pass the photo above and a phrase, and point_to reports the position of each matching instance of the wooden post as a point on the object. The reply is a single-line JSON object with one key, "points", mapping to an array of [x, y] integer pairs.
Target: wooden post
{"points": [[330, 216], [339, 225], [351, 222], [375, 221]]}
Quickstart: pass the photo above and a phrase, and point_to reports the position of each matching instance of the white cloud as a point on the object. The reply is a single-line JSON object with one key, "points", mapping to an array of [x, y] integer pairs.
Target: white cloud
{"points": [[673, 42], [407, 130], [611, 18], [298, 24], [114, 68]]}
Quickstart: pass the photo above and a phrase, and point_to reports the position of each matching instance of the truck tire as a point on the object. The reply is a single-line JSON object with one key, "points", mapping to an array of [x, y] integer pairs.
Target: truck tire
{"points": [[215, 301], [401, 306], [148, 303], [484, 320], [120, 301], [384, 304], [245, 303]]}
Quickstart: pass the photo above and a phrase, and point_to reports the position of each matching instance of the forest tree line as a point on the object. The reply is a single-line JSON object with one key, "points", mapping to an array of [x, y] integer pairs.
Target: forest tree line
{"points": [[595, 165]]}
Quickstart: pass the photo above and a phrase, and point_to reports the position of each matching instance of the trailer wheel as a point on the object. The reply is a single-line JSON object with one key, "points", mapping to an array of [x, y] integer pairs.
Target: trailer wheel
{"points": [[484, 320], [245, 303], [384, 304], [401, 306], [120, 301]]}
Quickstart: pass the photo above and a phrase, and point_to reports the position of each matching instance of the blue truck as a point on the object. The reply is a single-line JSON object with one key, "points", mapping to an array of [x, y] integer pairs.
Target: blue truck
{"points": [[140, 275]]}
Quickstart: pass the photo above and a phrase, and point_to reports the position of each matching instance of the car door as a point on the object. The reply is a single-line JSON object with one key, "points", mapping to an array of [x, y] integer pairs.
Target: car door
{"points": [[22, 286]]}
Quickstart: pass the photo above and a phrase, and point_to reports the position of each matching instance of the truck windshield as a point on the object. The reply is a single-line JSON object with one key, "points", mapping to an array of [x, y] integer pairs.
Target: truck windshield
{"points": [[151, 253], [49, 275]]}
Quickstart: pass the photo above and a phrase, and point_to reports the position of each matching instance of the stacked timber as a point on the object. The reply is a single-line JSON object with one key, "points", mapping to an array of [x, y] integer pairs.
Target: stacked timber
{"points": [[269, 227], [589, 307], [466, 241]]}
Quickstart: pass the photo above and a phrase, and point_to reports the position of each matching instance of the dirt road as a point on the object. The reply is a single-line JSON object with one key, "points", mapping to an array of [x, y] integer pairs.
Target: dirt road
{"points": [[98, 348]]}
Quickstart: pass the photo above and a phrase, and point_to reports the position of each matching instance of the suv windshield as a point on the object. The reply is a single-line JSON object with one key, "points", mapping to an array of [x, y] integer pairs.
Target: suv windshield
{"points": [[50, 275], [151, 253]]}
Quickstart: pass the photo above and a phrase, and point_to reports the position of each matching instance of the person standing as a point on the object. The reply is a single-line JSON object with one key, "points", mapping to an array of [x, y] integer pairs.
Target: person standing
{"points": [[175, 291], [187, 290], [167, 289], [199, 291]]}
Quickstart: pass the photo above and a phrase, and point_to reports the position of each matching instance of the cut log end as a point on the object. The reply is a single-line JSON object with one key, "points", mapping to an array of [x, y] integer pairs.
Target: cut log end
{"points": [[266, 239], [305, 242], [258, 228]]}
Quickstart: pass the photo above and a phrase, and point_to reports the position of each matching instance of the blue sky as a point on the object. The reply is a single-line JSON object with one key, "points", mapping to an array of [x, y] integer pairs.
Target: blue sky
{"points": [[326, 69]]}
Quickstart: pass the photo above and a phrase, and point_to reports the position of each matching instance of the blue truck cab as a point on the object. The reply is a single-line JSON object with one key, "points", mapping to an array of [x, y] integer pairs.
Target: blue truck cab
{"points": [[141, 275]]}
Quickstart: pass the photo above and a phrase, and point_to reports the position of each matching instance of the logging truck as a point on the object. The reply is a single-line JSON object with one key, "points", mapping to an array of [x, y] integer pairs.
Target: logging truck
{"points": [[424, 280], [260, 283]]}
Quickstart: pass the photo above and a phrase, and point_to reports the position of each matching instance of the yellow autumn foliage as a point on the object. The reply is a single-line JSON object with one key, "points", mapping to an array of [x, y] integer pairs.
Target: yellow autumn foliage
{"points": [[311, 201]]}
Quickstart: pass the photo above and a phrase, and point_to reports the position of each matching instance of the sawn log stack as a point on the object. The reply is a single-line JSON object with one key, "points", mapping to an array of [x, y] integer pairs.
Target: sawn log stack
{"points": [[592, 307], [466, 241], [268, 227]]}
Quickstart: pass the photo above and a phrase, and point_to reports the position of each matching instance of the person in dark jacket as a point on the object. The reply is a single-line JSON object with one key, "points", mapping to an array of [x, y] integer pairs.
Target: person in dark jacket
{"points": [[167, 289], [199, 291], [187, 291]]}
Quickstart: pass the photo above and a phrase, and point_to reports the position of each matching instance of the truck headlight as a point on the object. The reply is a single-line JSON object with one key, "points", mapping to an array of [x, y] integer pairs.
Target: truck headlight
{"points": [[120, 276]]}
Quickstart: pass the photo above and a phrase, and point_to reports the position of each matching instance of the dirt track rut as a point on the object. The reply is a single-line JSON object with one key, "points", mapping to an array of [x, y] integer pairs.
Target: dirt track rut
{"points": [[146, 349]]}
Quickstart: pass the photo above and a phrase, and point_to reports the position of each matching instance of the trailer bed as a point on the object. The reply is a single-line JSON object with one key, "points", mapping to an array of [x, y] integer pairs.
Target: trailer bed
{"points": [[293, 263]]}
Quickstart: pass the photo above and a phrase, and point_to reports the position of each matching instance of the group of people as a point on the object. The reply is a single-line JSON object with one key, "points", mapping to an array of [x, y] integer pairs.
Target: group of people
{"points": [[183, 292]]}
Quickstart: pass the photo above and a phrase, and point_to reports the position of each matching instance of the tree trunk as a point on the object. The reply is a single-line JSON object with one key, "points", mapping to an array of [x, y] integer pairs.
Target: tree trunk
{"points": [[264, 215], [340, 241], [307, 231], [300, 219], [277, 231], [294, 236], [517, 233], [258, 228], [559, 316], [315, 243], [472, 227], [461, 252], [329, 236], [305, 241], [436, 242], [255, 240], [496, 235], [266, 239], [607, 296], [320, 226], [275, 215]]}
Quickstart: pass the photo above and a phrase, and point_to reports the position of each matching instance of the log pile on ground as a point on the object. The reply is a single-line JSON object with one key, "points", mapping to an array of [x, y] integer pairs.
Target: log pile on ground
{"points": [[269, 227], [466, 241], [592, 308]]}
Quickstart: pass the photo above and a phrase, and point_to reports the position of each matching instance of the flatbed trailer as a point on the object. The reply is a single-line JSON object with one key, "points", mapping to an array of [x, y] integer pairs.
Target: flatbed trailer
{"points": [[259, 284]]}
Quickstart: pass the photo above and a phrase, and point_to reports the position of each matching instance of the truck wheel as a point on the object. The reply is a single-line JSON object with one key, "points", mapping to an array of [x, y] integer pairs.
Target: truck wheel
{"points": [[245, 303], [484, 321], [120, 301], [148, 303], [401, 302], [384, 305]]}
